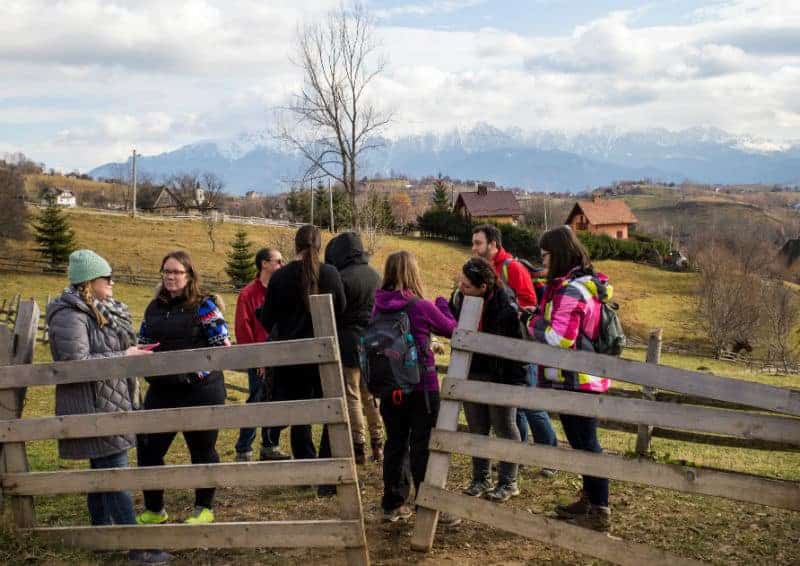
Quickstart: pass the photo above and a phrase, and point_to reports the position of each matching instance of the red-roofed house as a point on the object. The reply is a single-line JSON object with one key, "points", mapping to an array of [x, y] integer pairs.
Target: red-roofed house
{"points": [[612, 217], [485, 206]]}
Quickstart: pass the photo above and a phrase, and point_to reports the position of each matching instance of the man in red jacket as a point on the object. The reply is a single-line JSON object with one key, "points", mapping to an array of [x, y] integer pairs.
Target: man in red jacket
{"points": [[487, 243], [249, 330]]}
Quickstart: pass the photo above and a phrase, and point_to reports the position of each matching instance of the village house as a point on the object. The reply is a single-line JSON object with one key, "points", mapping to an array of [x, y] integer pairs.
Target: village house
{"points": [[598, 216], [169, 201], [488, 206], [62, 197]]}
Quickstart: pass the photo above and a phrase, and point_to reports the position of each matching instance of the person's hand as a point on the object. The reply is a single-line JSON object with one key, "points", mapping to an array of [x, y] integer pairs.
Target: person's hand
{"points": [[227, 342], [437, 347], [261, 373], [137, 351]]}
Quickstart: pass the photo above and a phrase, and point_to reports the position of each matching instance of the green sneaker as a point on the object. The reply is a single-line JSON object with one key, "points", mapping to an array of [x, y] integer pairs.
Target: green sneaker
{"points": [[201, 515], [152, 518]]}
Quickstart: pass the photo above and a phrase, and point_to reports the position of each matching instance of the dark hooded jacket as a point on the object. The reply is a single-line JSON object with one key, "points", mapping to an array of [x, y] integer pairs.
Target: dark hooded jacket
{"points": [[346, 253]]}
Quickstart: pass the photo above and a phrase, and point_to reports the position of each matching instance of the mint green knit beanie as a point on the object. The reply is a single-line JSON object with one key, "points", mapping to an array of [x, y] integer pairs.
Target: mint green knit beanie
{"points": [[85, 265]]}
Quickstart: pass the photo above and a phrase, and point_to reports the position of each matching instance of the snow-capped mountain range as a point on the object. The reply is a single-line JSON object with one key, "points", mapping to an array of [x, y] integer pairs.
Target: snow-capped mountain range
{"points": [[532, 160]]}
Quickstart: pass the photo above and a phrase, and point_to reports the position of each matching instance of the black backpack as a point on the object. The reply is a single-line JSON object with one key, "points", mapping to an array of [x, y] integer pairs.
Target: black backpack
{"points": [[388, 354], [534, 272]]}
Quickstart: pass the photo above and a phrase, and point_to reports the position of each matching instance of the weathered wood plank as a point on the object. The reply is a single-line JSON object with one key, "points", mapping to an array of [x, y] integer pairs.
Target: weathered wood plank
{"points": [[267, 354], [704, 481], [728, 389], [341, 441], [274, 534], [439, 462], [12, 401], [184, 476], [549, 531], [310, 411], [635, 411]]}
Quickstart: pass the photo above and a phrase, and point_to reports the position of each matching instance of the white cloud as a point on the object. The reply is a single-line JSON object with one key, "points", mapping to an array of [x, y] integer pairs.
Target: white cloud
{"points": [[108, 76]]}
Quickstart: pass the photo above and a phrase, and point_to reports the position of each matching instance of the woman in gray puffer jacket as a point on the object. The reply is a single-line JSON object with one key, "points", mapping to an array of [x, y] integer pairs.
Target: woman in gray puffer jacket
{"points": [[86, 323]]}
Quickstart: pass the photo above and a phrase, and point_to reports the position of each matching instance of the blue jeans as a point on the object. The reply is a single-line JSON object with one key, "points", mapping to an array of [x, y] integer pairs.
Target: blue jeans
{"points": [[259, 391], [116, 506], [539, 421], [582, 435]]}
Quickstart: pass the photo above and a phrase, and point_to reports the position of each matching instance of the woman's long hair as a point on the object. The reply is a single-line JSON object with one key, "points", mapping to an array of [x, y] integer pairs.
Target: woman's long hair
{"points": [[307, 243], [566, 252], [192, 292], [86, 294], [402, 273], [480, 272]]}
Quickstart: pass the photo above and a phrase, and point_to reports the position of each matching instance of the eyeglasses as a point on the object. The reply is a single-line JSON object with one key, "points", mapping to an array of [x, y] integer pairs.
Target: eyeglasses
{"points": [[173, 272], [279, 260], [107, 278], [545, 253]]}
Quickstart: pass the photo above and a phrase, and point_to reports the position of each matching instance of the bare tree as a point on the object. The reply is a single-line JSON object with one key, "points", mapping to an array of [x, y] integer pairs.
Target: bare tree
{"points": [[335, 124], [13, 212], [779, 315], [209, 202]]}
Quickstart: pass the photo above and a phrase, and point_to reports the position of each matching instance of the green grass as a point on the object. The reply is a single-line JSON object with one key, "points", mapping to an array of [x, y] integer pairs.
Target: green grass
{"points": [[705, 528]]}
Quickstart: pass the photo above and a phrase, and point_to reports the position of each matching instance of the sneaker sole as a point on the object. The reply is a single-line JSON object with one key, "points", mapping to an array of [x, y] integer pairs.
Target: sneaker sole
{"points": [[400, 519]]}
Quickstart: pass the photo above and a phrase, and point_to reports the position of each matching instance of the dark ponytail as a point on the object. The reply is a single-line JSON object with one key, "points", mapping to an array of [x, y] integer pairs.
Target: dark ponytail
{"points": [[307, 243]]}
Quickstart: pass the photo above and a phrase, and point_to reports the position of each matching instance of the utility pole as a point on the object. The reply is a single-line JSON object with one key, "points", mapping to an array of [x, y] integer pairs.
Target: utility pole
{"points": [[133, 180], [312, 204], [330, 196], [544, 206]]}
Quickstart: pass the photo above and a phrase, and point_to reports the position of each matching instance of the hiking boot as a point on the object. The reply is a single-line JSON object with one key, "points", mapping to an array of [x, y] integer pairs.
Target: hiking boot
{"points": [[326, 490], [402, 514], [377, 451], [575, 510], [148, 517], [547, 473], [448, 520], [598, 518], [200, 516], [503, 492], [273, 453], [149, 556], [244, 456], [478, 488], [359, 454]]}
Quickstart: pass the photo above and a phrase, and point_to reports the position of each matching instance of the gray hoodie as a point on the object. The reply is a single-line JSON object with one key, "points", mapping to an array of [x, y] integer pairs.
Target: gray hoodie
{"points": [[75, 335]]}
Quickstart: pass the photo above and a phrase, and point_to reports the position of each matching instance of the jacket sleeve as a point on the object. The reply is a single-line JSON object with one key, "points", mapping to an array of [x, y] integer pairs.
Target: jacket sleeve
{"points": [[337, 290], [214, 325], [519, 279], [439, 318], [69, 335], [560, 323], [244, 320]]}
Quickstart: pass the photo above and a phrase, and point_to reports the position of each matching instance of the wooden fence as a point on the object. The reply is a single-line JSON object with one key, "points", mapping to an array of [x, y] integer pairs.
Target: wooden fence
{"points": [[19, 484], [445, 439]]}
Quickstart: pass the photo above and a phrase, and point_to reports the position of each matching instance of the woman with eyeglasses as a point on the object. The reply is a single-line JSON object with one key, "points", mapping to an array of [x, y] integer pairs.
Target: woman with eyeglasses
{"points": [[87, 323], [182, 317], [500, 316], [569, 317]]}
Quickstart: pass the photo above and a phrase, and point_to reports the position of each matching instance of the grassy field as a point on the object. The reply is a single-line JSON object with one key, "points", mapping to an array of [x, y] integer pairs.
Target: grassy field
{"points": [[704, 528]]}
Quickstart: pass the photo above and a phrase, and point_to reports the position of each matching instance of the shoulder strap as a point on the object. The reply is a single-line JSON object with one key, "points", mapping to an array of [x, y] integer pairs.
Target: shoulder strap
{"points": [[504, 270]]}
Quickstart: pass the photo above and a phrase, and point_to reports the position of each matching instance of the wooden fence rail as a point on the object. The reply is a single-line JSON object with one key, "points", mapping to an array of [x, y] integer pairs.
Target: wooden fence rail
{"points": [[18, 484], [456, 388]]}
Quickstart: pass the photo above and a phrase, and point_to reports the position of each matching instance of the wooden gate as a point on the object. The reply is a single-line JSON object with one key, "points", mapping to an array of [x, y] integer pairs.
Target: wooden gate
{"points": [[446, 440], [19, 484]]}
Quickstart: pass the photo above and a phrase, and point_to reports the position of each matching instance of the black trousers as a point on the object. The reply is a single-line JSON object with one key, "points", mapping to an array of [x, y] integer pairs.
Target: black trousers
{"points": [[405, 454], [201, 443], [294, 383]]}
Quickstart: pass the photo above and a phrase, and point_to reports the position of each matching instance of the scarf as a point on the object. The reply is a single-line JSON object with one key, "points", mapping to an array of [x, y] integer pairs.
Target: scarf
{"points": [[119, 320]]}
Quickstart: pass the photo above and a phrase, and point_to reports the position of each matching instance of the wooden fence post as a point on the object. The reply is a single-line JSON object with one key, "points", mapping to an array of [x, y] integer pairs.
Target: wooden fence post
{"points": [[341, 441], [645, 432], [19, 351], [439, 462]]}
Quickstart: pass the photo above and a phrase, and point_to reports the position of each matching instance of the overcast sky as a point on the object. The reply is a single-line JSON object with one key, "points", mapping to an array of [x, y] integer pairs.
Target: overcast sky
{"points": [[84, 81]]}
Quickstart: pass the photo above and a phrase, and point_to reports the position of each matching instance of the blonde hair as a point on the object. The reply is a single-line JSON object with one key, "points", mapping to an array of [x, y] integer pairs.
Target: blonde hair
{"points": [[401, 273], [87, 296]]}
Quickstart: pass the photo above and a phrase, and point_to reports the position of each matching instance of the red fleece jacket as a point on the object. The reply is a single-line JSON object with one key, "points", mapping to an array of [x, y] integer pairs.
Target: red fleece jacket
{"points": [[248, 328], [518, 279]]}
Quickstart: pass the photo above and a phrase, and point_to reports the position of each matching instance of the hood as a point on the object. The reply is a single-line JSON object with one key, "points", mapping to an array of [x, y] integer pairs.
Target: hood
{"points": [[69, 299], [388, 301], [345, 249]]}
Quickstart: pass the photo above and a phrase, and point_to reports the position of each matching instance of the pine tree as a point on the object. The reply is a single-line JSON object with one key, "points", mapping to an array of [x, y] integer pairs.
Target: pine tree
{"points": [[53, 234], [440, 200], [240, 268]]}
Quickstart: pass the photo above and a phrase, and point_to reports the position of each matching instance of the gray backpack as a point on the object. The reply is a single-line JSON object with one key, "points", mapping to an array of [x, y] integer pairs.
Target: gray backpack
{"points": [[388, 354]]}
